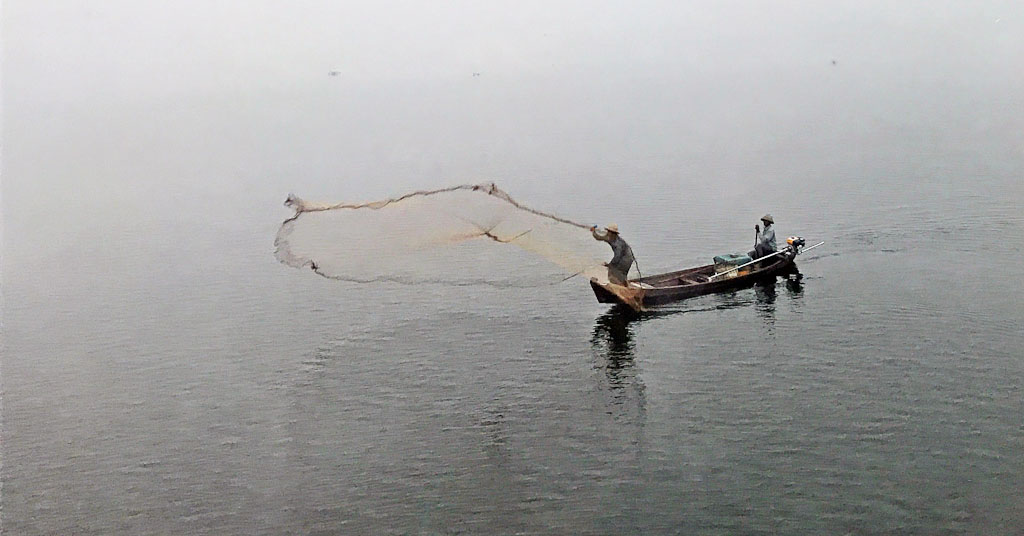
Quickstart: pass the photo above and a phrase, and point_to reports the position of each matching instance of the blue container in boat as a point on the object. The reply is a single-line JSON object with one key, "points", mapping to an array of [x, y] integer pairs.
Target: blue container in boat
{"points": [[732, 259]]}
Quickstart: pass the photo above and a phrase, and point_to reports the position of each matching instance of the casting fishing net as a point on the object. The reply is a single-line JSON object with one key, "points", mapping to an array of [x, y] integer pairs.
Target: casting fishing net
{"points": [[468, 234]]}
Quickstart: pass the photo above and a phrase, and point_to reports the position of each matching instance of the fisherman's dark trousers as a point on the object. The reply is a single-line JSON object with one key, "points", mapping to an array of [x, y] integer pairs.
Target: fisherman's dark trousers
{"points": [[760, 251]]}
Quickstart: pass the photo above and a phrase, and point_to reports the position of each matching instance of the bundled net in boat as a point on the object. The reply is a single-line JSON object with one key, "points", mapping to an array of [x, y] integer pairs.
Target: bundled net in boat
{"points": [[468, 234]]}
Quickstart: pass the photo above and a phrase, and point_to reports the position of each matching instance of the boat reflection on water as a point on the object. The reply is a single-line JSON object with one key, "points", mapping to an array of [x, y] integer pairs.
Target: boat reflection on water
{"points": [[613, 332], [795, 283], [614, 354], [613, 341], [764, 303]]}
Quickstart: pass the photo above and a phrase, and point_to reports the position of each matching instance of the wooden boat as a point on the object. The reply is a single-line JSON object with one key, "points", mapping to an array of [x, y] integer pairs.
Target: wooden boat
{"points": [[650, 291]]}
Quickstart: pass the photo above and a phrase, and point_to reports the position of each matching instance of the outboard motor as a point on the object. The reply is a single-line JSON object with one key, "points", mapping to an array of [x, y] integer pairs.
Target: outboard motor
{"points": [[796, 242]]}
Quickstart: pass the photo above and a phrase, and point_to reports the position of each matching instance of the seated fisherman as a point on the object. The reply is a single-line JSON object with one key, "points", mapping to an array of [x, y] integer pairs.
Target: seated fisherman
{"points": [[622, 260], [765, 243]]}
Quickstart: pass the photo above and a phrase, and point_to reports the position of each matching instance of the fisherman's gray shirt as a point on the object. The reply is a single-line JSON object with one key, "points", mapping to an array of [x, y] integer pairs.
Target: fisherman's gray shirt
{"points": [[622, 260], [766, 238]]}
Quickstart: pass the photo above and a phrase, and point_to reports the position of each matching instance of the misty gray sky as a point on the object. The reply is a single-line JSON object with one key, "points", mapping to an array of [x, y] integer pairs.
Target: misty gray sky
{"points": [[73, 49]]}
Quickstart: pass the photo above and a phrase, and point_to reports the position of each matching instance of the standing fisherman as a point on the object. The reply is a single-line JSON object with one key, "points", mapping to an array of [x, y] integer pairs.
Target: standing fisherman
{"points": [[764, 244], [622, 261]]}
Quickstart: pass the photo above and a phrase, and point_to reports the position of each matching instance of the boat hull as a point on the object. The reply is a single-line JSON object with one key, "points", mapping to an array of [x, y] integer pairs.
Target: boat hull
{"points": [[651, 291]]}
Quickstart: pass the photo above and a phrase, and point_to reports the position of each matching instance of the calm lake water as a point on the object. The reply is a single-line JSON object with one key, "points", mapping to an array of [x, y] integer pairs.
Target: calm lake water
{"points": [[163, 374]]}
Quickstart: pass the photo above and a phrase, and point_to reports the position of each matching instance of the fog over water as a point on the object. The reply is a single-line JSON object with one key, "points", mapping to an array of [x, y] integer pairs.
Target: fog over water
{"points": [[163, 373]]}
